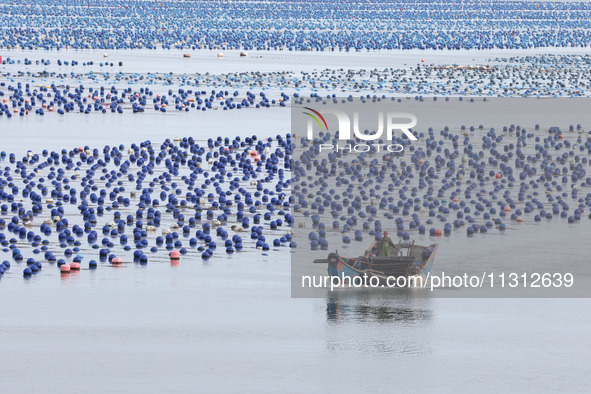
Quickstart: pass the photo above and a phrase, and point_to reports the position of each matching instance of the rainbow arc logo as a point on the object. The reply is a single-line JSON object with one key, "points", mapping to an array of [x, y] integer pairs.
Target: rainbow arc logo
{"points": [[316, 116]]}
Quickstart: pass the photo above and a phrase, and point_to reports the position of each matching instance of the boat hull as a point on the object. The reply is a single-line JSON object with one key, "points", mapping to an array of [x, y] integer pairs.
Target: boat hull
{"points": [[345, 267]]}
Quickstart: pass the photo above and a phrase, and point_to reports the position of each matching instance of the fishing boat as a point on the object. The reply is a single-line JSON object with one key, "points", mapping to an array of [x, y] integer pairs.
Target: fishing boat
{"points": [[403, 259]]}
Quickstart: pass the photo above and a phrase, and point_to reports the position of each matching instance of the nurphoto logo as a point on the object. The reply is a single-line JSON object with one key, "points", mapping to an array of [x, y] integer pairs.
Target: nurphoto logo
{"points": [[355, 129]]}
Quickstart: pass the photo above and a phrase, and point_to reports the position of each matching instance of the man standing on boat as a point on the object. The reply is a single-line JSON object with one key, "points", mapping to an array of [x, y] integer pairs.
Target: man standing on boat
{"points": [[385, 244]]}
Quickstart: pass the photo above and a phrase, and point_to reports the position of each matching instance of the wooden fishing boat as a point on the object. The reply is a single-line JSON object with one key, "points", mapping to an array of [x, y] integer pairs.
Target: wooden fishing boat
{"points": [[402, 259]]}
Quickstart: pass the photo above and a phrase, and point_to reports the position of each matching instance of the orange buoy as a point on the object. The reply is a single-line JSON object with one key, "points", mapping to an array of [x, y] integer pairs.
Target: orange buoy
{"points": [[74, 266], [507, 208], [499, 175], [50, 109], [519, 219], [65, 269], [117, 261], [438, 232], [175, 255]]}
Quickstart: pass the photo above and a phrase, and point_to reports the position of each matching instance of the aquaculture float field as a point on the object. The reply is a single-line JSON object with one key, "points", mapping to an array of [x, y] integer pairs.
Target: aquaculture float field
{"points": [[295, 25], [235, 308], [198, 195], [151, 185]]}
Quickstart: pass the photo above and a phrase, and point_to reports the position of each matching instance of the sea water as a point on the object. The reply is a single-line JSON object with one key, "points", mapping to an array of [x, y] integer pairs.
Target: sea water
{"points": [[229, 324]]}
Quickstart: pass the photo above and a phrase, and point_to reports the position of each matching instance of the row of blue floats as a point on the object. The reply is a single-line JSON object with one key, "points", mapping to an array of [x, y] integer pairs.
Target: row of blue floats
{"points": [[298, 25]]}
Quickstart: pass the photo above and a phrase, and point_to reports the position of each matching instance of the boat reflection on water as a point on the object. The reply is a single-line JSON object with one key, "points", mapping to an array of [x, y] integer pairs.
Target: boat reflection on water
{"points": [[407, 307], [386, 323]]}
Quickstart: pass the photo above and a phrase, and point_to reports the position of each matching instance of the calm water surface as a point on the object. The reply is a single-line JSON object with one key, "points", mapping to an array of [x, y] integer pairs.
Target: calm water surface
{"points": [[230, 325]]}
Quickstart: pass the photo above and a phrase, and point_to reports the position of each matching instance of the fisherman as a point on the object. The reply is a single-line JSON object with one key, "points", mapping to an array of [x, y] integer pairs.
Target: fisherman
{"points": [[385, 244]]}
